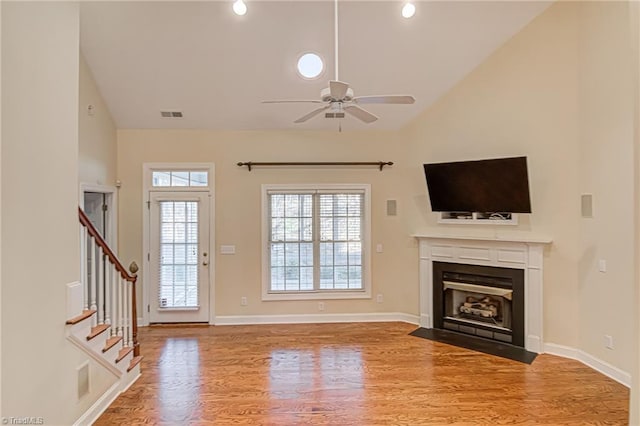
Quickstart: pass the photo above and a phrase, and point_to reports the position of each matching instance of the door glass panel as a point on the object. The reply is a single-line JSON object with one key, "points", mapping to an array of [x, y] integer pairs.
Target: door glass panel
{"points": [[178, 254]]}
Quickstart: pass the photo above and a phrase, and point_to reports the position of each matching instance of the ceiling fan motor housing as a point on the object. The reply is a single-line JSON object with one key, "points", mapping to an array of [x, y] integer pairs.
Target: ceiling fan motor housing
{"points": [[325, 94]]}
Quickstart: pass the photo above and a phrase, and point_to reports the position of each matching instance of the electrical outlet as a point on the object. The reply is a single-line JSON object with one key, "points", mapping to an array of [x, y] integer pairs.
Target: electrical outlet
{"points": [[243, 301], [321, 306], [379, 248], [602, 265], [379, 298], [608, 341]]}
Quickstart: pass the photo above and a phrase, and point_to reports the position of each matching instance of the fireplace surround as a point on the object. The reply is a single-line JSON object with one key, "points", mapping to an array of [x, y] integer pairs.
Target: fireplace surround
{"points": [[514, 256]]}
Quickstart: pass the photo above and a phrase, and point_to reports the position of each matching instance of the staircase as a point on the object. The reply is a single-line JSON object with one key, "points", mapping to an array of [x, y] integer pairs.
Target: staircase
{"points": [[103, 306]]}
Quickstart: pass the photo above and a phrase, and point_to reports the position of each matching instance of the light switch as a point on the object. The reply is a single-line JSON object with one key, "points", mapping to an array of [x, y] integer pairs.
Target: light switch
{"points": [[378, 248], [227, 249]]}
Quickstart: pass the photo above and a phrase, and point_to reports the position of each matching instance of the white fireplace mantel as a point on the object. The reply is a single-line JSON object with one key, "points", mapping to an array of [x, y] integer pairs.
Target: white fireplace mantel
{"points": [[516, 251]]}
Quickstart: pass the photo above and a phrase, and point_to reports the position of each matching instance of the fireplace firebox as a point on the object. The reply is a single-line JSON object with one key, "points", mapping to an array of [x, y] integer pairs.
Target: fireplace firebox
{"points": [[483, 301]]}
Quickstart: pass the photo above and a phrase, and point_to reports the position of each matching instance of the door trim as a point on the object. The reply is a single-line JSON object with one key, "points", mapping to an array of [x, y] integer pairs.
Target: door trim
{"points": [[147, 168], [112, 214]]}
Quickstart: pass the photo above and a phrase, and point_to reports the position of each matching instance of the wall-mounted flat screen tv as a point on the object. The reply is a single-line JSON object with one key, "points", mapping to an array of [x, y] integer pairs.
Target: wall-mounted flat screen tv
{"points": [[495, 185]]}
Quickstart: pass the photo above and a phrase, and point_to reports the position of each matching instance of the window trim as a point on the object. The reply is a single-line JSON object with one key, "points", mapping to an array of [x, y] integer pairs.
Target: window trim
{"points": [[365, 293]]}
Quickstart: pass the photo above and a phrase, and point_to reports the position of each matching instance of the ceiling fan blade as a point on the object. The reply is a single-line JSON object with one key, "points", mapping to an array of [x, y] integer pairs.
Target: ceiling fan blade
{"points": [[385, 99], [360, 113], [311, 114], [284, 101], [338, 89]]}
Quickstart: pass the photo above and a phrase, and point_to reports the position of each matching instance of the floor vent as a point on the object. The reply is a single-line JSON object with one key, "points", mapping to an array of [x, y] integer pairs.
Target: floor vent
{"points": [[83, 380]]}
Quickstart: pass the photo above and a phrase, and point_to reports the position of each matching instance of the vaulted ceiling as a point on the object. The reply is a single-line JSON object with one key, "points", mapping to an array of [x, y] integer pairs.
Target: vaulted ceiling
{"points": [[216, 67]]}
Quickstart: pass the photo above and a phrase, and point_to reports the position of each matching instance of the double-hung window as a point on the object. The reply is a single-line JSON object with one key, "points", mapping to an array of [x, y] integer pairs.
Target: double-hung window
{"points": [[316, 241]]}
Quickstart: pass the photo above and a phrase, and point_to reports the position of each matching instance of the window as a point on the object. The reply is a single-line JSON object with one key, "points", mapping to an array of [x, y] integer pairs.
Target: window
{"points": [[316, 241], [178, 254], [179, 178]]}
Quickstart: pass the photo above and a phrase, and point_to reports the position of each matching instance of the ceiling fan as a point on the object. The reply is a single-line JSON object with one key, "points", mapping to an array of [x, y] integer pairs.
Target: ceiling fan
{"points": [[338, 98]]}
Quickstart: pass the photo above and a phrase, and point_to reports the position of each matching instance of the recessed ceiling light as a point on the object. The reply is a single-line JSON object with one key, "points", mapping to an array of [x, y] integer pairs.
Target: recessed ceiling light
{"points": [[239, 7], [408, 10], [310, 65]]}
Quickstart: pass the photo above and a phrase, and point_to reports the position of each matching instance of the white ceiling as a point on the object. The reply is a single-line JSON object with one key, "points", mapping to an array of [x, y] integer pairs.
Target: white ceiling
{"points": [[216, 67]]}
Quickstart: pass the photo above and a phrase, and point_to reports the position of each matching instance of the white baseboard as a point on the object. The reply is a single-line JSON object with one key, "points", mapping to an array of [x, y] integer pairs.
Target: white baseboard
{"points": [[589, 360], [100, 406], [316, 318]]}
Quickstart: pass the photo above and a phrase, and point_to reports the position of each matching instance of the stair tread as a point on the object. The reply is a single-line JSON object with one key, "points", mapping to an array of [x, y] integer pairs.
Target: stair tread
{"points": [[111, 342], [83, 316], [98, 329], [135, 361], [123, 353]]}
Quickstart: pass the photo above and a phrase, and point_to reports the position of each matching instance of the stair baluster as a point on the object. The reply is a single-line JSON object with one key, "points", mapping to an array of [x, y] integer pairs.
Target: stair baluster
{"points": [[108, 271], [92, 290], [113, 287], [121, 309], [83, 266], [100, 285], [129, 319]]}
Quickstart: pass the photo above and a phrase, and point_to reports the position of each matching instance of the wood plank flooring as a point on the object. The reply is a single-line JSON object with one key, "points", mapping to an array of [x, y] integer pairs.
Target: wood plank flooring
{"points": [[351, 374]]}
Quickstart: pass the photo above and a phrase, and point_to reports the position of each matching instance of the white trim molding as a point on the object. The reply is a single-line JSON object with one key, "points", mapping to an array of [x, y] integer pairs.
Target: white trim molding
{"points": [[318, 294], [316, 318], [147, 189], [591, 361]]}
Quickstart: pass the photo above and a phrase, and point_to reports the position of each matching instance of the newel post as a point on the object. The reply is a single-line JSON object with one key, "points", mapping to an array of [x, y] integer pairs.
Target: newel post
{"points": [[133, 268]]}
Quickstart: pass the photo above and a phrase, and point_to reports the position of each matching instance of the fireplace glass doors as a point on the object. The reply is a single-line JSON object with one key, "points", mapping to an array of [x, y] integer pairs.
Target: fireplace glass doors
{"points": [[483, 301]]}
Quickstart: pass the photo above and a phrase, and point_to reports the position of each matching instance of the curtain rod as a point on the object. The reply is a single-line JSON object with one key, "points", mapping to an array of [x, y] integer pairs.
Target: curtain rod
{"points": [[379, 164]]}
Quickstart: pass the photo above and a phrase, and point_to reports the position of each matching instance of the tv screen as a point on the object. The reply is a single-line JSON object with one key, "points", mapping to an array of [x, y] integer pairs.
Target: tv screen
{"points": [[490, 186]]}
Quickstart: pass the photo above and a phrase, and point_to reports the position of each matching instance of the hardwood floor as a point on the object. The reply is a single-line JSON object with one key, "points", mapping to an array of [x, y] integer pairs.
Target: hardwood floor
{"points": [[351, 374]]}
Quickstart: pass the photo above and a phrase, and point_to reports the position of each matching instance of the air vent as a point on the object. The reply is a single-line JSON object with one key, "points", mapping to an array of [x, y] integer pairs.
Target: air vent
{"points": [[334, 115], [83, 379], [171, 114]]}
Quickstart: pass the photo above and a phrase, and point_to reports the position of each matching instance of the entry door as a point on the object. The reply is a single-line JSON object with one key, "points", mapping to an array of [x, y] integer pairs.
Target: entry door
{"points": [[179, 257]]}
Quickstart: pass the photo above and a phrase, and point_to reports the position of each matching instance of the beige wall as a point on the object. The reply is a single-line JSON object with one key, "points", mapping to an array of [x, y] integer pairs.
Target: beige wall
{"points": [[522, 101], [238, 205], [96, 134], [0, 208], [634, 19], [606, 120], [40, 247]]}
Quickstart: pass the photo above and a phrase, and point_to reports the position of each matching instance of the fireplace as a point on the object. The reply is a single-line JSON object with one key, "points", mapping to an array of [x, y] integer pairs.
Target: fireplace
{"points": [[513, 263], [482, 301]]}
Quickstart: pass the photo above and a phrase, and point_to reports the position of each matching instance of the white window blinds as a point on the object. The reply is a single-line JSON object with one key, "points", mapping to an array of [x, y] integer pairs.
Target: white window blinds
{"points": [[315, 240]]}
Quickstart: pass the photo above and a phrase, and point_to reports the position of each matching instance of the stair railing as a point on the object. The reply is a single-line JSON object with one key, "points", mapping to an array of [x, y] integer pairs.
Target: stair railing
{"points": [[108, 288]]}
